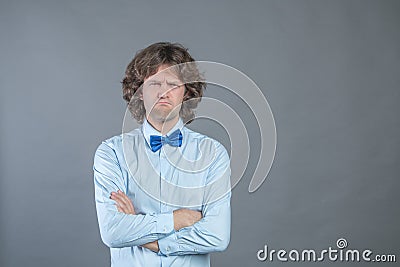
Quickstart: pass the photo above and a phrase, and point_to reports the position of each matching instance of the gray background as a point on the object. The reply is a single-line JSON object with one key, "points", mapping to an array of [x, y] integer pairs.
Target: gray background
{"points": [[329, 69]]}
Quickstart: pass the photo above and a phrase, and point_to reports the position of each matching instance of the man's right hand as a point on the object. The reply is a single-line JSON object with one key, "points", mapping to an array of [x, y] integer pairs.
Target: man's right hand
{"points": [[185, 217]]}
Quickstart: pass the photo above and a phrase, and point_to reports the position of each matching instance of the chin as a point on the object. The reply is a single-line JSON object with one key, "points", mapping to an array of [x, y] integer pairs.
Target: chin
{"points": [[164, 114]]}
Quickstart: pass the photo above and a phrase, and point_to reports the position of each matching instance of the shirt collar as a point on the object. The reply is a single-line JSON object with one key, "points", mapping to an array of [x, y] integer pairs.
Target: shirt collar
{"points": [[148, 129]]}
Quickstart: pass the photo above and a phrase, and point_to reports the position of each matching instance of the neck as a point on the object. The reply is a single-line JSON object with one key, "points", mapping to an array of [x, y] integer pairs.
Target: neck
{"points": [[163, 126]]}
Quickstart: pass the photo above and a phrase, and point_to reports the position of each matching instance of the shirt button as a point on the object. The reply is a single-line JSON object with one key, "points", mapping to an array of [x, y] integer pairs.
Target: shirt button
{"points": [[167, 248]]}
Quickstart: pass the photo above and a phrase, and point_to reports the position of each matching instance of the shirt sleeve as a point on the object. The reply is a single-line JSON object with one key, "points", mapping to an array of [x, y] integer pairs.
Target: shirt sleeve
{"points": [[119, 229], [212, 232]]}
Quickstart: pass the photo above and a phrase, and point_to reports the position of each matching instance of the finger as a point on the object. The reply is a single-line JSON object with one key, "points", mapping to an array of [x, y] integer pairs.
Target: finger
{"points": [[119, 202], [197, 216], [121, 207], [127, 202], [130, 205], [116, 197], [120, 198], [124, 199], [123, 202]]}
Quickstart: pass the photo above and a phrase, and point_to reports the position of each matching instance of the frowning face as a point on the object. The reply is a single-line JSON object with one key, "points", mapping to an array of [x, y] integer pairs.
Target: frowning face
{"points": [[162, 95]]}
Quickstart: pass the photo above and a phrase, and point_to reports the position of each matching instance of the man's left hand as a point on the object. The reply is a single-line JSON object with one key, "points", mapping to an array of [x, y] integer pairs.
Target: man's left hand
{"points": [[124, 204]]}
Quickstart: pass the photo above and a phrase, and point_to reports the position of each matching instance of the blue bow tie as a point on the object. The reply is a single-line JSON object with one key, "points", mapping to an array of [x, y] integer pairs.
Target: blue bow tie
{"points": [[174, 139]]}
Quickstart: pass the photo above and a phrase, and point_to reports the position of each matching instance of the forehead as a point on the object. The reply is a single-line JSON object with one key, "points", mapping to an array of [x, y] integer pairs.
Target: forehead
{"points": [[165, 72]]}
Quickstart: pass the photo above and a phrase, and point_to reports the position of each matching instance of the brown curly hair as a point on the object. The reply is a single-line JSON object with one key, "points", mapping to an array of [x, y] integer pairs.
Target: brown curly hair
{"points": [[146, 63]]}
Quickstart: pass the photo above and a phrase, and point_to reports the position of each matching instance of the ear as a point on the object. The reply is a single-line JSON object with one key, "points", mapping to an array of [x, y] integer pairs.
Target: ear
{"points": [[185, 95]]}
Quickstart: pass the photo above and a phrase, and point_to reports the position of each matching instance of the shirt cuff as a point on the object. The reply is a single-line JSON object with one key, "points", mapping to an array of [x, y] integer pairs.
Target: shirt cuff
{"points": [[168, 245], [165, 223]]}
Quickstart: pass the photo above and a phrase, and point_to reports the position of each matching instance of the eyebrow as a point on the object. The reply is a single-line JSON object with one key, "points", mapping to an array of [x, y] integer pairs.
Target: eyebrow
{"points": [[152, 80], [175, 81], [168, 81]]}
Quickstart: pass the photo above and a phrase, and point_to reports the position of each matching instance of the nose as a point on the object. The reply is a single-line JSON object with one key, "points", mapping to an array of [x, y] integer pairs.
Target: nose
{"points": [[164, 90]]}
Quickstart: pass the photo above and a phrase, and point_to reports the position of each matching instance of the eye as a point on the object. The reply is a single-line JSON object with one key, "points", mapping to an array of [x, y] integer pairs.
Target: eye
{"points": [[173, 85], [155, 84]]}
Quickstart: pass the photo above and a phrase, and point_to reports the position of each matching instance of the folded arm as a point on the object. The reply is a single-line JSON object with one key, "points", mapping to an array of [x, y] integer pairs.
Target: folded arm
{"points": [[118, 229], [182, 217], [212, 232], [194, 234], [208, 233]]}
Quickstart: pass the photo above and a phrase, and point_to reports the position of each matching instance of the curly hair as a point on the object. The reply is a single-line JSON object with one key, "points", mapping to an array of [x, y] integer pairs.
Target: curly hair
{"points": [[146, 63]]}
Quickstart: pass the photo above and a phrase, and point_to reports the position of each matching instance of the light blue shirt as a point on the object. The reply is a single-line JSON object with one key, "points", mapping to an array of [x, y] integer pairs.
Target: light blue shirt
{"points": [[195, 175]]}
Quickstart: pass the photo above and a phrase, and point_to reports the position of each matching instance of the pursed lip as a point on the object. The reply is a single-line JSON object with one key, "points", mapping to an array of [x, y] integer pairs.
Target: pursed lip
{"points": [[164, 102]]}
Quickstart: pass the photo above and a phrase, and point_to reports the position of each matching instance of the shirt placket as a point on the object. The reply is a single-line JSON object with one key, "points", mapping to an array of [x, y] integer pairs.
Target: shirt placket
{"points": [[163, 207], [163, 170]]}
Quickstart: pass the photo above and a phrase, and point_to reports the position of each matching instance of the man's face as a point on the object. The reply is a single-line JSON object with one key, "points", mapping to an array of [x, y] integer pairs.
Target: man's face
{"points": [[163, 92]]}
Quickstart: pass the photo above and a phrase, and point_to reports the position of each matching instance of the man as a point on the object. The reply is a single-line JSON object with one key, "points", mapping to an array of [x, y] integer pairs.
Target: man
{"points": [[162, 191]]}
